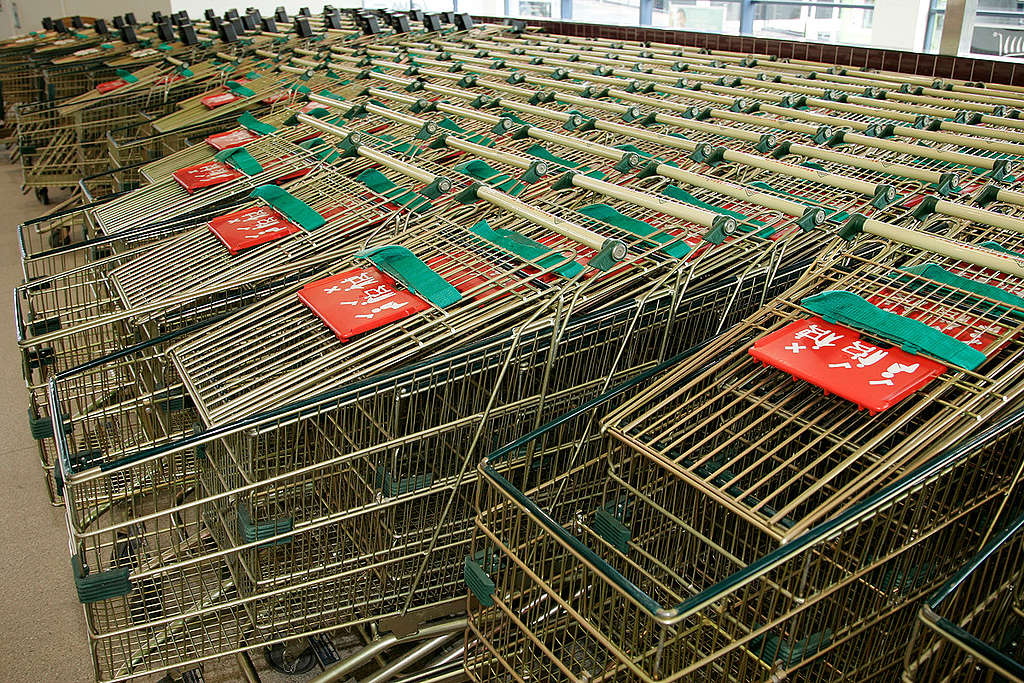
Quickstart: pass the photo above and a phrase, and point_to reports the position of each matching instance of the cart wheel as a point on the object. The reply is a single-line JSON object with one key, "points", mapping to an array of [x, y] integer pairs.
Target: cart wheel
{"points": [[43, 195], [289, 663]]}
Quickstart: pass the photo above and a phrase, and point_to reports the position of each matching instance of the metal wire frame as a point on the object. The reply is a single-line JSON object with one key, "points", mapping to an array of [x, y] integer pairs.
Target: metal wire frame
{"points": [[192, 112], [678, 98], [223, 388], [327, 442], [876, 172], [668, 66], [970, 628], [167, 197], [775, 179], [86, 312], [89, 294], [573, 603], [71, 139], [555, 617], [94, 310]]}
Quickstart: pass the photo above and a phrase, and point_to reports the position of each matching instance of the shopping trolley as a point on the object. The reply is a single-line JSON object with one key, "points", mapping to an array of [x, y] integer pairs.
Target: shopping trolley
{"points": [[408, 412], [970, 628], [506, 296], [738, 524]]}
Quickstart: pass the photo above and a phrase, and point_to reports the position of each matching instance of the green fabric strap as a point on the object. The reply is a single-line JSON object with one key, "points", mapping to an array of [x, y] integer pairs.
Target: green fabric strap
{"points": [[239, 89], [402, 264], [835, 215], [527, 248], [239, 158], [606, 214], [933, 271], [294, 209], [126, 76], [379, 183], [847, 308], [496, 179], [541, 153], [251, 123], [747, 225]]}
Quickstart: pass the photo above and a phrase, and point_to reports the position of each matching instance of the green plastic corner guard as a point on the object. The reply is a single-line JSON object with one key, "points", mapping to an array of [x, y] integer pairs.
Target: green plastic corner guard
{"points": [[611, 529], [609, 216], [101, 585], [933, 271], [479, 583], [126, 76], [414, 274], [251, 123], [42, 427], [390, 487], [294, 209], [846, 308], [528, 249], [239, 158], [257, 531], [770, 648]]}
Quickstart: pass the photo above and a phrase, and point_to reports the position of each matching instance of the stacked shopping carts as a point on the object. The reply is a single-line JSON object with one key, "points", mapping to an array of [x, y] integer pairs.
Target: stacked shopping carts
{"points": [[679, 365]]}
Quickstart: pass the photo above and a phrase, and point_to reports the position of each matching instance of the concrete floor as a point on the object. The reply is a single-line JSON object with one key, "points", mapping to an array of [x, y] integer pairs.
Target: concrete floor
{"points": [[42, 628], [44, 637]]}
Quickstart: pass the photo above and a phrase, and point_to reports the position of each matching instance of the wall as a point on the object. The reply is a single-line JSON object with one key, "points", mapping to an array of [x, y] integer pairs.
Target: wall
{"points": [[29, 13]]}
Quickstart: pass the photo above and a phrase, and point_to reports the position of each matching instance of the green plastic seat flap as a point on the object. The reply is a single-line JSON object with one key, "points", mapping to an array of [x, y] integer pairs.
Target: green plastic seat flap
{"points": [[126, 76], [414, 274], [541, 153], [379, 183], [239, 158], [935, 272], [846, 308], [239, 89], [606, 214], [747, 225], [834, 215], [529, 249], [294, 209], [496, 179], [251, 123]]}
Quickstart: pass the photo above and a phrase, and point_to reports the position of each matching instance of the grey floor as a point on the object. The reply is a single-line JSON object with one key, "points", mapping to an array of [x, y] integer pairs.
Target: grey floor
{"points": [[42, 628]]}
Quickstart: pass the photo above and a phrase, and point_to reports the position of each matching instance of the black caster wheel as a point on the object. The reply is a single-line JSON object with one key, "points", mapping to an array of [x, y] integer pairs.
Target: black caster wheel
{"points": [[43, 195], [290, 661]]}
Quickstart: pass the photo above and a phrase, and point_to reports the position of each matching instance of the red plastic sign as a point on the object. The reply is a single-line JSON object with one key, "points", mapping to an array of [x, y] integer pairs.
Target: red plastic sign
{"points": [[214, 101], [107, 86], [205, 175], [835, 358], [250, 227], [359, 300], [232, 138], [276, 96]]}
